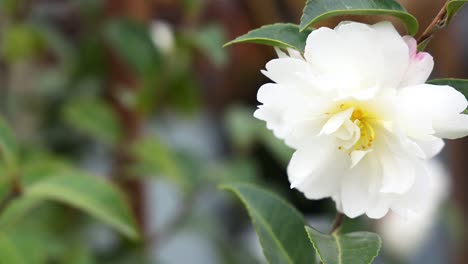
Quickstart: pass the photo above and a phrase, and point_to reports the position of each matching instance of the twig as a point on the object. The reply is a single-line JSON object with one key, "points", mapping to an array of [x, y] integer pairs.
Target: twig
{"points": [[435, 25], [339, 219]]}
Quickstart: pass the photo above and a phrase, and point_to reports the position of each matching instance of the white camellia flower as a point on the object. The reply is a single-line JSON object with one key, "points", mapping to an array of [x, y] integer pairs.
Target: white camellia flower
{"points": [[356, 110], [405, 237]]}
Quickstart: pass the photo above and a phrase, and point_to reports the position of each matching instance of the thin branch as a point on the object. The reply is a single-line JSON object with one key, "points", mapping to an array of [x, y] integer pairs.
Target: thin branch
{"points": [[338, 222], [435, 25]]}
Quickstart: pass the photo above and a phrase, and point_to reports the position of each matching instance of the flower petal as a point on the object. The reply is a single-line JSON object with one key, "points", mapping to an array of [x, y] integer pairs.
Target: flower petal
{"points": [[357, 156], [336, 121], [275, 100], [325, 180], [286, 70], [309, 159], [398, 173], [436, 106], [395, 53], [354, 195], [349, 52], [420, 65], [452, 128], [430, 147], [367, 55], [379, 206], [414, 200]]}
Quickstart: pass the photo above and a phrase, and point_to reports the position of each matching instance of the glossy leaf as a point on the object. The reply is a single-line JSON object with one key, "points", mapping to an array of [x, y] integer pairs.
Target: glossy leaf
{"points": [[95, 119], [279, 226], [90, 194], [357, 247], [452, 8], [8, 147], [460, 85], [318, 10], [277, 35]]}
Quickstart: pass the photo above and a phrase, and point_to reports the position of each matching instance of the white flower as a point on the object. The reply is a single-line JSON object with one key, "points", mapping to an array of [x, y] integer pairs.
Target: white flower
{"points": [[356, 110], [404, 237], [162, 36]]}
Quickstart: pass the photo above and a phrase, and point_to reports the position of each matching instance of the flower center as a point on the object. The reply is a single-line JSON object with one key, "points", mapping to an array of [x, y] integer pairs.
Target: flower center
{"points": [[367, 133], [363, 120]]}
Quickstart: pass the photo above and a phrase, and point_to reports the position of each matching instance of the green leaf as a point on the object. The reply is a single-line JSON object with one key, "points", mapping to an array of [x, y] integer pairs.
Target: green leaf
{"points": [[452, 8], [277, 35], [423, 44], [9, 254], [16, 211], [318, 10], [36, 170], [357, 247], [90, 194], [460, 85], [37, 166], [95, 119], [29, 240], [8, 147], [133, 44], [79, 253], [280, 227]]}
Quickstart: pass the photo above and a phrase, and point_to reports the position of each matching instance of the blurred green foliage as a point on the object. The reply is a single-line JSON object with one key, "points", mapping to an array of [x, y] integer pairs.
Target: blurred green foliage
{"points": [[95, 118], [79, 83], [19, 42]]}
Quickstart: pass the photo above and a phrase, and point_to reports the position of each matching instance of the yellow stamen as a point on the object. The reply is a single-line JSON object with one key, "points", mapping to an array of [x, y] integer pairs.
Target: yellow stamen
{"points": [[364, 120]]}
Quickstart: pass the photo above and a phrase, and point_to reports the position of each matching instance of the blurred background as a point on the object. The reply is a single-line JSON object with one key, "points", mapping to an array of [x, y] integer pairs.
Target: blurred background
{"points": [[141, 92]]}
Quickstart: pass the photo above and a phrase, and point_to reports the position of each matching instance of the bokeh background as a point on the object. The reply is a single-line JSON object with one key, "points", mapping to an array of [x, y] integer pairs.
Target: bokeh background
{"points": [[142, 93]]}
